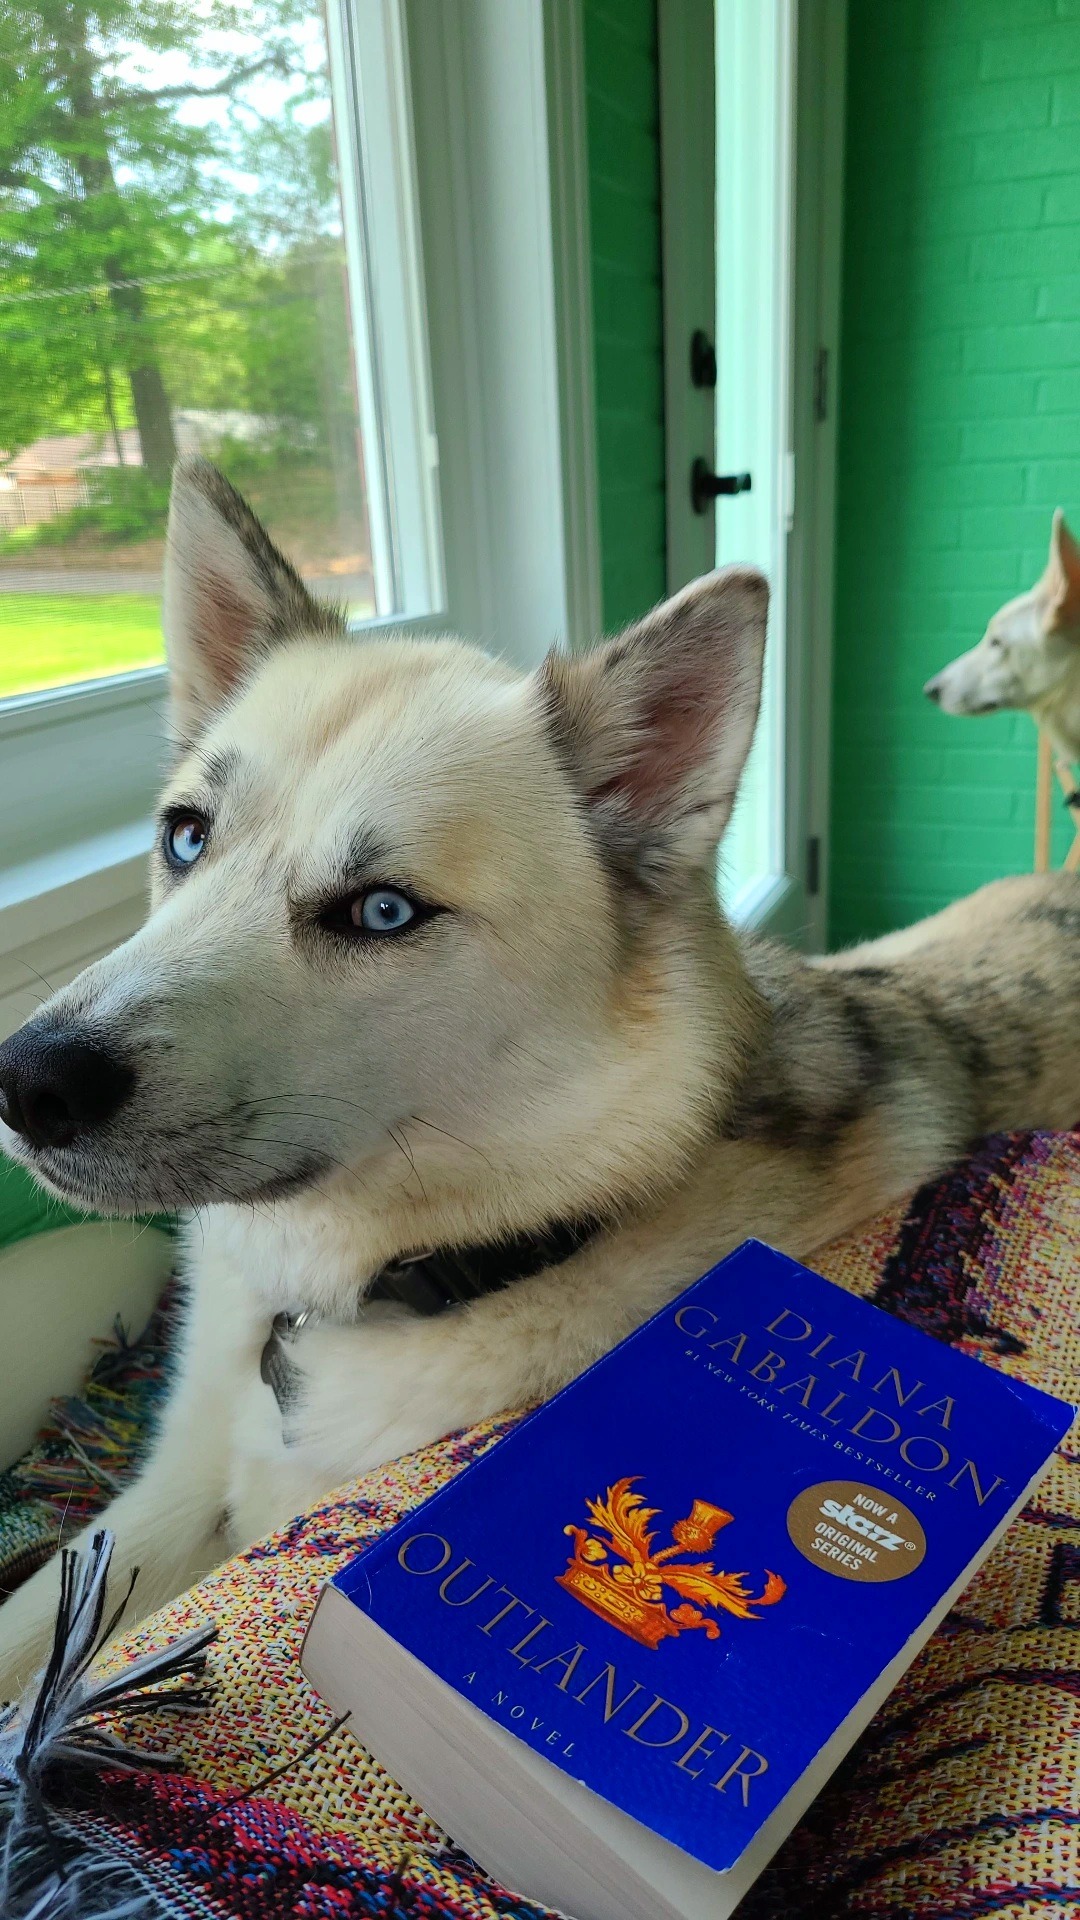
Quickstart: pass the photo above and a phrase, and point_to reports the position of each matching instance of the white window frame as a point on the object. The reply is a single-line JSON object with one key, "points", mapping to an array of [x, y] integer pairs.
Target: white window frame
{"points": [[482, 124], [373, 126], [785, 901]]}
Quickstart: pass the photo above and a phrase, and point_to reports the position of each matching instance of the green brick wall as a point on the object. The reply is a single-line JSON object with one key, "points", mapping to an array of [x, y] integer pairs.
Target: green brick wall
{"points": [[959, 426], [624, 211]]}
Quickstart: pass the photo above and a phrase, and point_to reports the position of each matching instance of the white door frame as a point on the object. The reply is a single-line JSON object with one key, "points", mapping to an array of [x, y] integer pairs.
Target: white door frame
{"points": [[499, 121], [792, 901], [819, 205]]}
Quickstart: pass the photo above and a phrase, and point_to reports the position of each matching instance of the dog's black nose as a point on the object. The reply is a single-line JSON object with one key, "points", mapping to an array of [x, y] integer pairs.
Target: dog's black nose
{"points": [[56, 1084], [932, 688]]}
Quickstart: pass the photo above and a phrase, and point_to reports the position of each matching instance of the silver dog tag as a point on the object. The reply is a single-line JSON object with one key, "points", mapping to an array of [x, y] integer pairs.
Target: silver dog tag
{"points": [[274, 1366]]}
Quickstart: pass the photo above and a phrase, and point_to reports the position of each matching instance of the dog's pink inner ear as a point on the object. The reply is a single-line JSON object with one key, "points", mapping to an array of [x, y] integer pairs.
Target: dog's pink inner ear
{"points": [[229, 594], [225, 626], [218, 602], [657, 724], [676, 734], [1063, 574]]}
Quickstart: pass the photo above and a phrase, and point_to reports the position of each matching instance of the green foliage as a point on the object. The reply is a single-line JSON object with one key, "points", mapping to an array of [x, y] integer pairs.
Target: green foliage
{"points": [[141, 270]]}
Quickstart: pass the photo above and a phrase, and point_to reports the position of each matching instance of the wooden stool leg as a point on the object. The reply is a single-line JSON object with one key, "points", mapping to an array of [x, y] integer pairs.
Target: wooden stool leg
{"points": [[1067, 781], [1043, 790]]}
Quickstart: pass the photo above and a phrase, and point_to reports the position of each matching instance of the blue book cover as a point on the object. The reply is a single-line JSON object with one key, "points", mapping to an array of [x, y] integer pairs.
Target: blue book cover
{"points": [[676, 1579]]}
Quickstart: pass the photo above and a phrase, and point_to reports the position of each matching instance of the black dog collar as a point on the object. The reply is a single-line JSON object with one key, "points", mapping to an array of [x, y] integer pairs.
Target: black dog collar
{"points": [[451, 1276], [428, 1283]]}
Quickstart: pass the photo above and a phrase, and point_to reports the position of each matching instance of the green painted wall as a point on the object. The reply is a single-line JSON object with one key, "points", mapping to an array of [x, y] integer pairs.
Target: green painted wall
{"points": [[959, 426], [624, 211]]}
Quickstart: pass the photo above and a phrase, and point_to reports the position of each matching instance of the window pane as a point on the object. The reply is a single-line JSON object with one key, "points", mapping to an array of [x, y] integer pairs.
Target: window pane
{"points": [[173, 278]]}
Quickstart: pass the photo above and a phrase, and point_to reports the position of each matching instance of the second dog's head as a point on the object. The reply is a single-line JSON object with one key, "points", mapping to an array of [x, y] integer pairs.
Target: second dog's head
{"points": [[1029, 656], [402, 897]]}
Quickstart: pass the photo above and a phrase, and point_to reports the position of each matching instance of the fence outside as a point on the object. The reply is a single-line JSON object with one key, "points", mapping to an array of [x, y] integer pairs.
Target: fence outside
{"points": [[28, 505]]}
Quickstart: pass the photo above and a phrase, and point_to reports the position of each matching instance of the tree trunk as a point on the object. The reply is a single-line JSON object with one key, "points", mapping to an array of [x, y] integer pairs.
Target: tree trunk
{"points": [[154, 419], [151, 402], [110, 411], [95, 170]]}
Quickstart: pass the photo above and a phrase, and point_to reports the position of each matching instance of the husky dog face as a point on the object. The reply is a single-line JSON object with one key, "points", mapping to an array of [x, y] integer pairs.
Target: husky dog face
{"points": [[1029, 656], [400, 894]]}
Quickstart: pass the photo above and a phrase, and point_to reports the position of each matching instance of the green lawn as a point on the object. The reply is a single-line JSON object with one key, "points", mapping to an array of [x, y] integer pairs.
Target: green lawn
{"points": [[49, 640]]}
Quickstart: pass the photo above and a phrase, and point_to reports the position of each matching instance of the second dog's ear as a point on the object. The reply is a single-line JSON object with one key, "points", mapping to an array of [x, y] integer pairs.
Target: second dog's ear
{"points": [[1063, 576], [229, 595], [655, 726]]}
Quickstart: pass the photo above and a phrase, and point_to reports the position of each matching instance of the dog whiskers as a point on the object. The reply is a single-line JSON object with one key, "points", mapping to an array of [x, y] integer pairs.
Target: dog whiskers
{"points": [[404, 1148], [255, 1201], [192, 1204], [292, 1146], [309, 1094], [397, 1135], [270, 1105], [47, 984], [417, 1120]]}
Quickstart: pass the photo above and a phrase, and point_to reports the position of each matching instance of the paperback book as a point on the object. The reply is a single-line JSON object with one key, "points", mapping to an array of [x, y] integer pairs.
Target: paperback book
{"points": [[619, 1654]]}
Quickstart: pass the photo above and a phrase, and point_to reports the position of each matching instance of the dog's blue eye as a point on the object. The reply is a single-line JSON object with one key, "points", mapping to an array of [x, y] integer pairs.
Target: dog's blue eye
{"points": [[185, 840], [383, 910]]}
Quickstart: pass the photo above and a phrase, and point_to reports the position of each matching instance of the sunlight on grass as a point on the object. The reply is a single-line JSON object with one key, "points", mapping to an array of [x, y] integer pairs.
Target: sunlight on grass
{"points": [[50, 640]]}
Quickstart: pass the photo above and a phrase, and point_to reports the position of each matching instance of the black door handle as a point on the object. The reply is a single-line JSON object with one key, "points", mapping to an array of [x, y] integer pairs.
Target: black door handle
{"points": [[705, 485]]}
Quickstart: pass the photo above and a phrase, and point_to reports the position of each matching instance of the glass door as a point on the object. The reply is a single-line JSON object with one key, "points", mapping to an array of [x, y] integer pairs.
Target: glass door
{"points": [[754, 135]]}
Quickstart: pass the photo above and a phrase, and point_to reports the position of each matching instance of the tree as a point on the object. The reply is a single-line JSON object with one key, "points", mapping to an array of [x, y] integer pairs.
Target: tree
{"points": [[107, 186]]}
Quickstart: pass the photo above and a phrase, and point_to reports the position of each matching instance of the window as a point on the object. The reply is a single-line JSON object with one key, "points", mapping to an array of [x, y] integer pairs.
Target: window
{"points": [[185, 244], [418, 170]]}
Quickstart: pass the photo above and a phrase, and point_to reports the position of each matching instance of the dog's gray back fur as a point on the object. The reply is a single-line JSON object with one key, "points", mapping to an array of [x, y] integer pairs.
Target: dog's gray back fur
{"points": [[989, 1042]]}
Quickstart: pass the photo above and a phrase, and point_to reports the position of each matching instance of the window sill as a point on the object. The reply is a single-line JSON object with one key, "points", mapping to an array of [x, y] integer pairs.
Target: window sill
{"points": [[65, 909], [79, 767], [24, 712], [47, 895]]}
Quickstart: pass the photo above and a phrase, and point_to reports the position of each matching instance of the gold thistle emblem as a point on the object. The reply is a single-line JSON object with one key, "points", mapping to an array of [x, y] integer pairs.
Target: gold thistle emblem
{"points": [[623, 1580]]}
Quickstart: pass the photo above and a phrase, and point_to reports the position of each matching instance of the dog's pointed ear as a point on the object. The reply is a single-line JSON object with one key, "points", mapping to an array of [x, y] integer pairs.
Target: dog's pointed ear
{"points": [[229, 595], [1063, 575], [655, 725]]}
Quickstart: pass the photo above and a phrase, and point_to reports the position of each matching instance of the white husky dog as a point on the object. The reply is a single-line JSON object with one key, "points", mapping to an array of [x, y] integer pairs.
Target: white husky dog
{"points": [[1029, 656], [434, 967]]}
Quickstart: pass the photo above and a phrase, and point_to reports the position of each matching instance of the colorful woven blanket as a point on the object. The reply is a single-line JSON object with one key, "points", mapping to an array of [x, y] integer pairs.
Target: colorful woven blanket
{"points": [[963, 1798], [90, 1446]]}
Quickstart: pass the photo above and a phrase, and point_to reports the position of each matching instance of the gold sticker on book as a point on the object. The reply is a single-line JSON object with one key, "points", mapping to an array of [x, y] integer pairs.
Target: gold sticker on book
{"points": [[856, 1531]]}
